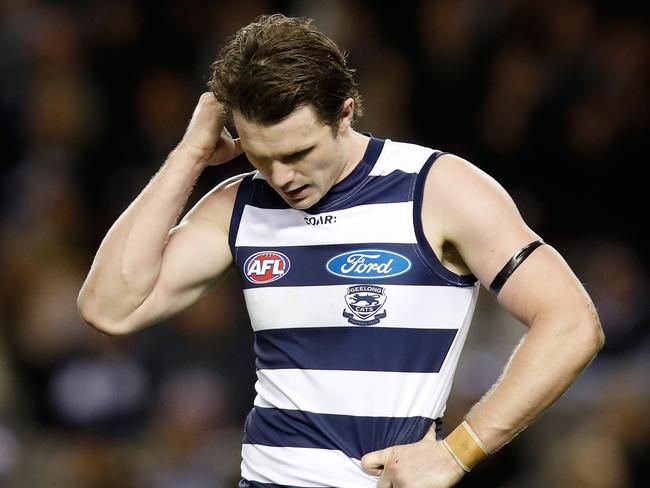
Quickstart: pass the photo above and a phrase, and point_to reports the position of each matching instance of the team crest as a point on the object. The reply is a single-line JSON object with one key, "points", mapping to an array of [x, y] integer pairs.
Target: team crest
{"points": [[365, 302]]}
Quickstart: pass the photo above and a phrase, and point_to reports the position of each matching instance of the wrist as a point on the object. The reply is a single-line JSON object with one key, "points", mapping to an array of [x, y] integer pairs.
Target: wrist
{"points": [[191, 155], [465, 446], [179, 173]]}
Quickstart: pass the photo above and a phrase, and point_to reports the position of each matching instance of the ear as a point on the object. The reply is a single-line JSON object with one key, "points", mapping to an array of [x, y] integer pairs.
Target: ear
{"points": [[347, 115]]}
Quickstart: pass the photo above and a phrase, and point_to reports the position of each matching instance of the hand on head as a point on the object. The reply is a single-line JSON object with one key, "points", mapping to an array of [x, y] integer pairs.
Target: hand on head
{"points": [[206, 137]]}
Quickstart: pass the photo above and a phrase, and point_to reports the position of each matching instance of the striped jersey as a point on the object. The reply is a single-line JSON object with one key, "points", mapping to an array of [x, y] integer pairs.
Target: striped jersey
{"points": [[358, 326]]}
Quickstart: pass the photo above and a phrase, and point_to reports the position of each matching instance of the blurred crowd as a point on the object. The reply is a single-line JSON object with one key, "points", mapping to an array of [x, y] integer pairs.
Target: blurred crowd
{"points": [[550, 97]]}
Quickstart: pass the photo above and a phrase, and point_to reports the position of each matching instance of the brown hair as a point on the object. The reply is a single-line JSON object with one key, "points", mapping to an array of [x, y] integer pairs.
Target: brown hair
{"points": [[277, 64]]}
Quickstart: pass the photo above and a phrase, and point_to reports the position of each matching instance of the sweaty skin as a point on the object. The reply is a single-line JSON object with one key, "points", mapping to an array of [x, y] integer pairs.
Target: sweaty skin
{"points": [[148, 267]]}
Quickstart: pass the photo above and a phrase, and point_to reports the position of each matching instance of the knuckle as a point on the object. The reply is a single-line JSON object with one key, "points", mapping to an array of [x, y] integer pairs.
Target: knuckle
{"points": [[207, 98]]}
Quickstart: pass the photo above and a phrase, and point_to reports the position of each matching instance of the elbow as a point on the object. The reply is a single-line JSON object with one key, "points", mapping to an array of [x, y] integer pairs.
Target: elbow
{"points": [[99, 321], [594, 325], [107, 327], [600, 338], [591, 338], [583, 333]]}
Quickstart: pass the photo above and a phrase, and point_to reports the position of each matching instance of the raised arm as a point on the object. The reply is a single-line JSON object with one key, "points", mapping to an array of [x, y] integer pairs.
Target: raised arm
{"points": [[146, 268], [467, 209]]}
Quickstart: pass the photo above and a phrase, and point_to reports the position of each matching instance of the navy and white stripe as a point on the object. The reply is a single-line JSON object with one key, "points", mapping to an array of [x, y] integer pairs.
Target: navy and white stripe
{"points": [[294, 428], [320, 276], [337, 348], [333, 384]]}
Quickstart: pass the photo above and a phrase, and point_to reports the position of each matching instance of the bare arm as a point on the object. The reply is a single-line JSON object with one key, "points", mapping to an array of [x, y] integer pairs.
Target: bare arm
{"points": [[146, 269], [487, 230], [543, 293]]}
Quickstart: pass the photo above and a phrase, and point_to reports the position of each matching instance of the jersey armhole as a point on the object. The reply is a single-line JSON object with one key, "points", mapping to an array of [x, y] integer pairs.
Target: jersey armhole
{"points": [[244, 195], [424, 248]]}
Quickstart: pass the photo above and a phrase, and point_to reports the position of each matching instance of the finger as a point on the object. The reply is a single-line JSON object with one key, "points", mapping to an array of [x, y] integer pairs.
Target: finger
{"points": [[238, 147], [206, 125], [384, 483], [231, 147], [374, 471], [208, 113], [374, 460], [227, 137]]}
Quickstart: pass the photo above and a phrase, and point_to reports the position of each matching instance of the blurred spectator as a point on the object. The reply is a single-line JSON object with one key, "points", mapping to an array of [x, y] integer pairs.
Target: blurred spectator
{"points": [[549, 97]]}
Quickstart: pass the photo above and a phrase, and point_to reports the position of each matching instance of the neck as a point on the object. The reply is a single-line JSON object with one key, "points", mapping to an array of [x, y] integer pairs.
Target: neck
{"points": [[354, 147]]}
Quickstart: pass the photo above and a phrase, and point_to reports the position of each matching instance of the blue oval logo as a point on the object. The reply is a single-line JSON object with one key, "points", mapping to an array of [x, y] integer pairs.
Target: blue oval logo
{"points": [[368, 264]]}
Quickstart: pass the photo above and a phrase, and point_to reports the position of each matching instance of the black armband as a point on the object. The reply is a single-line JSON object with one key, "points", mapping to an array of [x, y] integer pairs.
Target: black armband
{"points": [[501, 277]]}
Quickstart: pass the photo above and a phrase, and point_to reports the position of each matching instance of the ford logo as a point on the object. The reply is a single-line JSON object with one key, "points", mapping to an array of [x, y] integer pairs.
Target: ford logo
{"points": [[368, 264]]}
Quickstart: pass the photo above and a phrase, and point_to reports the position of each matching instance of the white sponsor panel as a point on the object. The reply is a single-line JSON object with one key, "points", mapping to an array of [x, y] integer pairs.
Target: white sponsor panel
{"points": [[287, 466], [361, 393], [409, 306], [381, 222]]}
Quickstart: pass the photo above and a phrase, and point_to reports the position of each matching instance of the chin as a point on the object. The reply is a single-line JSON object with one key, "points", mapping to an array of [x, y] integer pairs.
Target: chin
{"points": [[305, 203]]}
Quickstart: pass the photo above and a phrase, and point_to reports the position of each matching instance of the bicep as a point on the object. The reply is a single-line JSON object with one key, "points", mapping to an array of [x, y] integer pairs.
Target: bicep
{"points": [[544, 289], [195, 258], [483, 223]]}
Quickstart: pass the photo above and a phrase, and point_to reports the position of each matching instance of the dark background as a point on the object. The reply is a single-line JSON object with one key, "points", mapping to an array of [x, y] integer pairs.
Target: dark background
{"points": [[549, 97]]}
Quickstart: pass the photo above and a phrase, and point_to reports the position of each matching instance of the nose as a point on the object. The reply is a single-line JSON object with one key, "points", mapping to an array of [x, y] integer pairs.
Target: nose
{"points": [[281, 174]]}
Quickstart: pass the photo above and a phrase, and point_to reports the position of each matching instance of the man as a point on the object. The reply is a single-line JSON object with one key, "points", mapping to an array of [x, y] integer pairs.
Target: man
{"points": [[360, 260]]}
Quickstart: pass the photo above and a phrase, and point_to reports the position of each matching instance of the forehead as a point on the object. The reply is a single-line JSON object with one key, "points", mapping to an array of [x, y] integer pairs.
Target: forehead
{"points": [[297, 131]]}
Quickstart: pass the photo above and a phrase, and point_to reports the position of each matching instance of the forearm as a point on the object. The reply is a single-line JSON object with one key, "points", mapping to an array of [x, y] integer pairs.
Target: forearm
{"points": [[546, 362], [543, 366], [127, 264]]}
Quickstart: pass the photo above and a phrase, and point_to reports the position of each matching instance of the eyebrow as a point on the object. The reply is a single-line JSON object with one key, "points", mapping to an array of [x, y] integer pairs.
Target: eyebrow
{"points": [[289, 155]]}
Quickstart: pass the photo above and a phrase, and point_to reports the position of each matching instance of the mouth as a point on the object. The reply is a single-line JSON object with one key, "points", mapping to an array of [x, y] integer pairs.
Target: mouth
{"points": [[297, 193]]}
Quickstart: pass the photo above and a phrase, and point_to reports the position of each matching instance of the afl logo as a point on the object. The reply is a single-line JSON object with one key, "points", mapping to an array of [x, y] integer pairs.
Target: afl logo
{"points": [[266, 266]]}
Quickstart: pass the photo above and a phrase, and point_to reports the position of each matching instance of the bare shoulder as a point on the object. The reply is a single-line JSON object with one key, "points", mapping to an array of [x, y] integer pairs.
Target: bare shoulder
{"points": [[466, 208], [217, 205], [454, 181]]}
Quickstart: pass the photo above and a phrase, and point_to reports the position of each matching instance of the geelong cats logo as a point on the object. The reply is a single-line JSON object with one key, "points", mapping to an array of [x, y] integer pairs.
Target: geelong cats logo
{"points": [[365, 302]]}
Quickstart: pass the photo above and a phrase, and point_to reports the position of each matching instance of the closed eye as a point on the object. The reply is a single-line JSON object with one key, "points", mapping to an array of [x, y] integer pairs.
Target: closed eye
{"points": [[297, 155]]}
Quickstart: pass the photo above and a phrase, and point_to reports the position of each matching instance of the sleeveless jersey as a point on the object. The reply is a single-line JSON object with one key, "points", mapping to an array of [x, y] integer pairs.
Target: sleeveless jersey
{"points": [[358, 326]]}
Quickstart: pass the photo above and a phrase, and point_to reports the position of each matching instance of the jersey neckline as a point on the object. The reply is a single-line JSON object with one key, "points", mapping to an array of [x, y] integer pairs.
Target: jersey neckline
{"points": [[352, 181]]}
